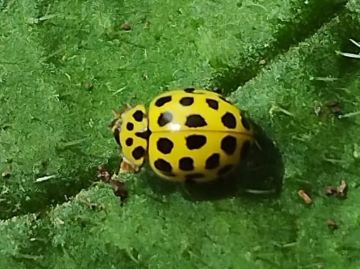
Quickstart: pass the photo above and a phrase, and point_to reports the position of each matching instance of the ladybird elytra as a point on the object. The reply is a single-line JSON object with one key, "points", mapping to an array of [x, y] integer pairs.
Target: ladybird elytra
{"points": [[190, 134]]}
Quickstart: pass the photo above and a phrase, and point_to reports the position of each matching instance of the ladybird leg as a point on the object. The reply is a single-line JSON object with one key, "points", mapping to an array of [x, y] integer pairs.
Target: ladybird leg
{"points": [[128, 167], [256, 142]]}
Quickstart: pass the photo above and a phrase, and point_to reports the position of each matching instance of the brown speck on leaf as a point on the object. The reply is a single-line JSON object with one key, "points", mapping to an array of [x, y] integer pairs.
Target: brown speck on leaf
{"points": [[305, 197], [335, 108], [119, 189], [330, 190], [125, 26], [103, 173], [342, 189], [332, 224], [339, 191], [117, 186]]}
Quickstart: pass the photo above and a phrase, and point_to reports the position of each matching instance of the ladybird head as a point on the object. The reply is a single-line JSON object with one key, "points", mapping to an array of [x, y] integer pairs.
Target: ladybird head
{"points": [[130, 129]]}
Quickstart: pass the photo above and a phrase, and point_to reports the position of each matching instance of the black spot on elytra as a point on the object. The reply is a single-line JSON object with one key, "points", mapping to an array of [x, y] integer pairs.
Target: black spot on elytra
{"points": [[224, 170], [187, 101], [138, 115], [189, 90], [229, 120], [164, 145], [212, 103], [116, 135], [138, 152], [228, 144], [145, 135], [195, 141], [193, 176], [186, 164], [195, 121], [162, 101], [163, 166], [130, 126], [213, 161], [245, 149], [245, 121], [129, 141], [164, 118]]}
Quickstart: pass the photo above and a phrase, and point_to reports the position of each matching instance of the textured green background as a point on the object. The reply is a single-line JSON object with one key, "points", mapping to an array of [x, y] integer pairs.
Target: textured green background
{"points": [[64, 65]]}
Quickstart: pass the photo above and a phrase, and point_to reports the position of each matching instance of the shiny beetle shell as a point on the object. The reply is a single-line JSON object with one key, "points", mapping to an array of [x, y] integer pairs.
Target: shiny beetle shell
{"points": [[189, 134]]}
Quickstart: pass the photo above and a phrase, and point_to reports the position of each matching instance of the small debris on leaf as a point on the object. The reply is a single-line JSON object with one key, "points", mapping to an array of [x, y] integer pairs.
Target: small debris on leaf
{"points": [[88, 86], [119, 189], [339, 191], [147, 24], [103, 174], [145, 76], [330, 190], [342, 188], [7, 172], [332, 224], [305, 197], [44, 178], [335, 108], [125, 26]]}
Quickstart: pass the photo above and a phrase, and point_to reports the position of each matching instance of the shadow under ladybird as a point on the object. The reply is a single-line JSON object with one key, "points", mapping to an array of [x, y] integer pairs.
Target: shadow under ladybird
{"points": [[260, 174]]}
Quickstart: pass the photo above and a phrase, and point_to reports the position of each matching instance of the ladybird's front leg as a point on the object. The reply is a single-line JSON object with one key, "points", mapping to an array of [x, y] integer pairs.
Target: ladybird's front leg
{"points": [[128, 167]]}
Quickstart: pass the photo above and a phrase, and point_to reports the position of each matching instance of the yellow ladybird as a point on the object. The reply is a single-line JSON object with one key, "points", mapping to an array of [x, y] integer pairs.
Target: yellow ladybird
{"points": [[189, 134]]}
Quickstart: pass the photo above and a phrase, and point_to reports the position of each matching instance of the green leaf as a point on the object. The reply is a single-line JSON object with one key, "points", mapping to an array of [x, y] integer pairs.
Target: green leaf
{"points": [[65, 65]]}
